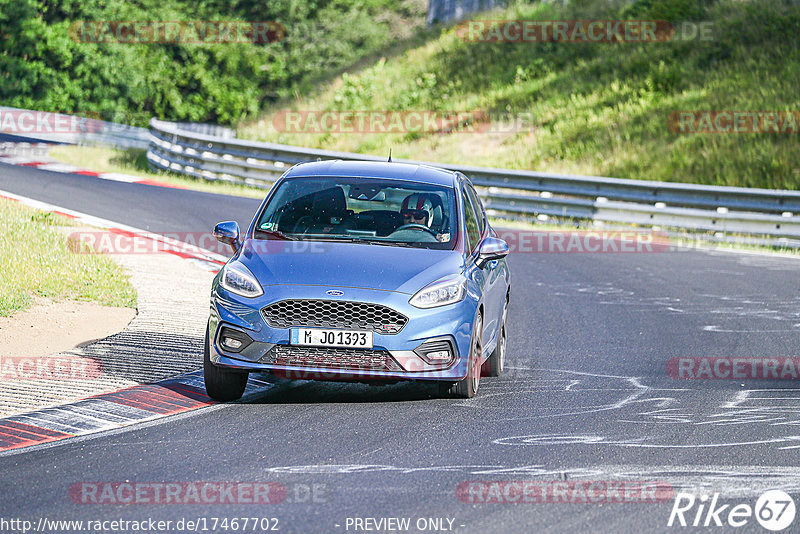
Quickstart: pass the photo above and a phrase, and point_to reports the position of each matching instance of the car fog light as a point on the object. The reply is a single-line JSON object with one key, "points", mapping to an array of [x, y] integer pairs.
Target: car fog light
{"points": [[437, 352], [231, 343], [438, 355], [233, 340]]}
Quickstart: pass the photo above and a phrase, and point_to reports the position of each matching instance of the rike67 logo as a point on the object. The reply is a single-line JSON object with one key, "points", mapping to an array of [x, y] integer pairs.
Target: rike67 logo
{"points": [[774, 510]]}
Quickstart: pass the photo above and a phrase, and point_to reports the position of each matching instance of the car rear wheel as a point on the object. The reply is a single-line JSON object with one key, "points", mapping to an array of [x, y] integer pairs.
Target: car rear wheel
{"points": [[221, 384], [468, 387], [497, 360]]}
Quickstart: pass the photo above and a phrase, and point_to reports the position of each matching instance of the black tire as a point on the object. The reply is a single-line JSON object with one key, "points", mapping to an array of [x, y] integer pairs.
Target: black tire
{"points": [[221, 384], [497, 360], [468, 387]]}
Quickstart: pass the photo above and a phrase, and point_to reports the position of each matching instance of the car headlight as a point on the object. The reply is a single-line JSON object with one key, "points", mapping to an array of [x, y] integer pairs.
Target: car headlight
{"points": [[238, 279], [440, 293]]}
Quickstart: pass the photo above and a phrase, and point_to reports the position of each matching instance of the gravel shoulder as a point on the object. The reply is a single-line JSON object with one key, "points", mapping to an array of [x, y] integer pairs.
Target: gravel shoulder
{"points": [[49, 327], [163, 339]]}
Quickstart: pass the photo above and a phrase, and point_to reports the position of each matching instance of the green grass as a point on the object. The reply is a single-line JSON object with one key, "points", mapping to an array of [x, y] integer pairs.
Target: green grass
{"points": [[598, 109], [36, 260], [134, 162]]}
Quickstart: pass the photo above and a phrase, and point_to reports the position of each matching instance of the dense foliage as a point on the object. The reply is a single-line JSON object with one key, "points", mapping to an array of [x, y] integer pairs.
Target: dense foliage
{"points": [[44, 66]]}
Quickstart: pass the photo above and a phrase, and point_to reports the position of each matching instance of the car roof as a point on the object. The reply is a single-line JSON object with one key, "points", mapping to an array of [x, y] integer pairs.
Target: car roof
{"points": [[376, 169]]}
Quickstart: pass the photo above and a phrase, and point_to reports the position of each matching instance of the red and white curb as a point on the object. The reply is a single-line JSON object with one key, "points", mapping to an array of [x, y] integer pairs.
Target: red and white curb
{"points": [[52, 166], [109, 411], [203, 258], [113, 410]]}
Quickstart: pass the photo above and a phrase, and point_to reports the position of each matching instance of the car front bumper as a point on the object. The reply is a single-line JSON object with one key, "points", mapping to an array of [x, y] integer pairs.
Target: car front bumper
{"points": [[451, 323]]}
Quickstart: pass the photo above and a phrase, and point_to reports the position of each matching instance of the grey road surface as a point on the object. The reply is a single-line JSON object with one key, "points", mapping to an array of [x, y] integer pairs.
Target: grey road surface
{"points": [[587, 397]]}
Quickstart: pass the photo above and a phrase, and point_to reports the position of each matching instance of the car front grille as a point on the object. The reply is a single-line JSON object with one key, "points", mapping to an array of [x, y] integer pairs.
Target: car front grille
{"points": [[334, 314], [330, 358]]}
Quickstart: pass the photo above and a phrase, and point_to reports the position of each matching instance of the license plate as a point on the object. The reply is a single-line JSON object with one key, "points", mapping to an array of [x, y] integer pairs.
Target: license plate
{"points": [[323, 337]]}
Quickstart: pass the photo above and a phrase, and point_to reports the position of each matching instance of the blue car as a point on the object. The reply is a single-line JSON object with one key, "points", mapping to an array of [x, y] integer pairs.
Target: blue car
{"points": [[373, 272]]}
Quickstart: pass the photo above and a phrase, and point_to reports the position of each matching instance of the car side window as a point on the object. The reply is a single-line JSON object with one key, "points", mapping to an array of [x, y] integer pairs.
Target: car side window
{"points": [[476, 203], [471, 222]]}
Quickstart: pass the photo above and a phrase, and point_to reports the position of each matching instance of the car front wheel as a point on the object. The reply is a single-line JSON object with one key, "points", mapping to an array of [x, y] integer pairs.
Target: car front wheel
{"points": [[497, 360], [468, 387], [221, 384]]}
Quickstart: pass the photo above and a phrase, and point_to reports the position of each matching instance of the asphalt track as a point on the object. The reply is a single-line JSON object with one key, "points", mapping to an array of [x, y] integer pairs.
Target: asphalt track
{"points": [[587, 398]]}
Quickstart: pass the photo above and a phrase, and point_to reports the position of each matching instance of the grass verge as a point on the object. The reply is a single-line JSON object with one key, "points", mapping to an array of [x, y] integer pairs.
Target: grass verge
{"points": [[36, 260], [590, 108]]}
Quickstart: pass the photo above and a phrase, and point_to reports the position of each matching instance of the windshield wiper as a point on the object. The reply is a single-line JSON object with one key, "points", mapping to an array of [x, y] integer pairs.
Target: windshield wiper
{"points": [[389, 243], [350, 239], [383, 242], [329, 239]]}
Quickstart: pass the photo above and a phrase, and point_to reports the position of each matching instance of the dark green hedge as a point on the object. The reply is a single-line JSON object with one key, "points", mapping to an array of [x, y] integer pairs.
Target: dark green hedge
{"points": [[43, 67]]}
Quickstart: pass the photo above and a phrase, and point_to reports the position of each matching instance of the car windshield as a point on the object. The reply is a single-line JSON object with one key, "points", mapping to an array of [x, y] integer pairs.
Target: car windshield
{"points": [[370, 210]]}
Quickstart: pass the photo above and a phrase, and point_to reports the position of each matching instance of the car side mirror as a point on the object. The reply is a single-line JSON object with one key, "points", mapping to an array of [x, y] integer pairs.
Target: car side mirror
{"points": [[490, 249], [228, 233]]}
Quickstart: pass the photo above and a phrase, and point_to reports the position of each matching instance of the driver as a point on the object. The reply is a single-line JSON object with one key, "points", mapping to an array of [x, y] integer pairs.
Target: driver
{"points": [[418, 209]]}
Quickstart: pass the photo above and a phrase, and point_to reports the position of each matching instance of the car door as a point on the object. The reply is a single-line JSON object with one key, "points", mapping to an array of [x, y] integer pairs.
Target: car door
{"points": [[475, 229], [495, 272]]}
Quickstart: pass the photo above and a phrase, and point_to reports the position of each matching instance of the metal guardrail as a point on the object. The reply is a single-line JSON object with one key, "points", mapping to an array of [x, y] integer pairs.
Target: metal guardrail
{"points": [[207, 129], [72, 129], [516, 193]]}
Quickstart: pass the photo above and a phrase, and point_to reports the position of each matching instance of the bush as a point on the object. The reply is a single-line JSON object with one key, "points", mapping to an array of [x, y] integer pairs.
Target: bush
{"points": [[44, 68]]}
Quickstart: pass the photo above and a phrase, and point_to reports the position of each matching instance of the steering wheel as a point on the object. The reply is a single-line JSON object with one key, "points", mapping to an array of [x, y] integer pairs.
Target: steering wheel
{"points": [[415, 226]]}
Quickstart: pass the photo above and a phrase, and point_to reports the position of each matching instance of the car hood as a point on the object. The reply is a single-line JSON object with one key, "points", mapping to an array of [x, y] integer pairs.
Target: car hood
{"points": [[386, 268]]}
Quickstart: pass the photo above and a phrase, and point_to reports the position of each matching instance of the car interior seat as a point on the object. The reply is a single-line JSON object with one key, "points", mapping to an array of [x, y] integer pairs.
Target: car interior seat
{"points": [[329, 214]]}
